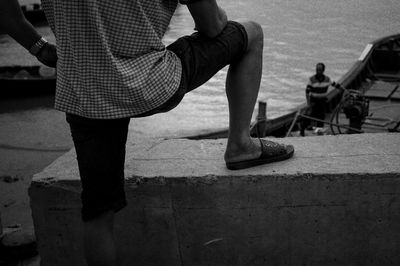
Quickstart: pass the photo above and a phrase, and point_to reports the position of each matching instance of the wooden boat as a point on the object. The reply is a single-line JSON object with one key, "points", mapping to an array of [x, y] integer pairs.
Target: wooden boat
{"points": [[34, 14], [365, 99], [18, 81]]}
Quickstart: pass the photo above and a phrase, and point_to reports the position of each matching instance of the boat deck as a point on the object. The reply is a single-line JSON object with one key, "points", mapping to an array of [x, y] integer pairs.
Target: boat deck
{"points": [[383, 90], [384, 109]]}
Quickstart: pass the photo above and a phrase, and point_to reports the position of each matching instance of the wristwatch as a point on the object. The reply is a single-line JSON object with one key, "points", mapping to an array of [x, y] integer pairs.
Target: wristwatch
{"points": [[35, 49]]}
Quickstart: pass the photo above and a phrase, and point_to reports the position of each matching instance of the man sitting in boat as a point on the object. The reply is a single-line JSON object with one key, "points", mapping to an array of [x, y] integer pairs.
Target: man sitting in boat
{"points": [[316, 92]]}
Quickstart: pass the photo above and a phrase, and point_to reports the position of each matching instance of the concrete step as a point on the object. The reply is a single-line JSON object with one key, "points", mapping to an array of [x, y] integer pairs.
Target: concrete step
{"points": [[335, 202]]}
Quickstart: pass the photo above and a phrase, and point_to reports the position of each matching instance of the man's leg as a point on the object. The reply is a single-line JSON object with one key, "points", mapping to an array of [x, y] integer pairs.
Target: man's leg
{"points": [[320, 112], [242, 86], [99, 240], [239, 45], [100, 150]]}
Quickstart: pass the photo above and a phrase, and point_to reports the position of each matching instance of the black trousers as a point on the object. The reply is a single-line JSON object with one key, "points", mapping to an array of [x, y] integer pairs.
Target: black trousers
{"points": [[317, 110]]}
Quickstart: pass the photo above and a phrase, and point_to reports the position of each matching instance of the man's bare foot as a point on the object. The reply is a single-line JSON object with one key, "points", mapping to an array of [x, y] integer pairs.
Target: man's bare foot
{"points": [[244, 151]]}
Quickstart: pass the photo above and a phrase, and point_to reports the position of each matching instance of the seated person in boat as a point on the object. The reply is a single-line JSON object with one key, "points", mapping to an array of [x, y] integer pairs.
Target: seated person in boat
{"points": [[316, 93]]}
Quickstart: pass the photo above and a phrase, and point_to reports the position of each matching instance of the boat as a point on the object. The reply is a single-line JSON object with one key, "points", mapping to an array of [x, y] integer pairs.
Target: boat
{"points": [[25, 81], [34, 14], [365, 99]]}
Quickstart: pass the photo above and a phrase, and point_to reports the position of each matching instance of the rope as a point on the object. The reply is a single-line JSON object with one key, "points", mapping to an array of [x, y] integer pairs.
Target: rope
{"points": [[334, 124]]}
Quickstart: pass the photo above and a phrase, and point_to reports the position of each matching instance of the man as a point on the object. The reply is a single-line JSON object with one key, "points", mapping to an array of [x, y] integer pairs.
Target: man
{"points": [[316, 92], [113, 66]]}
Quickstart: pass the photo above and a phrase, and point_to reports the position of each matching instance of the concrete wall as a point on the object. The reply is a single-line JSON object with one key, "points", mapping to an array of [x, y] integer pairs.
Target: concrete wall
{"points": [[336, 202]]}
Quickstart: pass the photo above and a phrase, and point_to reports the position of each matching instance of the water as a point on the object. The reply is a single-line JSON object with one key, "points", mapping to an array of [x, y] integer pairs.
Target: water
{"points": [[298, 34]]}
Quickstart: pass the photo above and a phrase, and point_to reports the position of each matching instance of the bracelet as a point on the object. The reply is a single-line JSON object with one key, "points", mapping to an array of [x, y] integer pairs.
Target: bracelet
{"points": [[35, 49]]}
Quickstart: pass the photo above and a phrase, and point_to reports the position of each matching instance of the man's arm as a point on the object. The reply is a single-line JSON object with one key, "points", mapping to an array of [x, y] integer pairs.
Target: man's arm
{"points": [[13, 22], [210, 19], [308, 91]]}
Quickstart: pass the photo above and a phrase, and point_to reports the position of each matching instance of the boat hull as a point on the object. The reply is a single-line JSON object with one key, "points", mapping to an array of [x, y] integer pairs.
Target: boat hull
{"points": [[21, 81]]}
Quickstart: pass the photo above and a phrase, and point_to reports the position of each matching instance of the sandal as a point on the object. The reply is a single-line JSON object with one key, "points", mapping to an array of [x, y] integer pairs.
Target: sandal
{"points": [[270, 152]]}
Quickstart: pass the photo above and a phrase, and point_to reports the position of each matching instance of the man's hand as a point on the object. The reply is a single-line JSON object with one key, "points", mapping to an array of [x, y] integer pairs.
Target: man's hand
{"points": [[48, 55], [209, 18]]}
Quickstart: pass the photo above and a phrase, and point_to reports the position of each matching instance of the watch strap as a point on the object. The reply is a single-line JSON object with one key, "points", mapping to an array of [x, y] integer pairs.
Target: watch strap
{"points": [[35, 49]]}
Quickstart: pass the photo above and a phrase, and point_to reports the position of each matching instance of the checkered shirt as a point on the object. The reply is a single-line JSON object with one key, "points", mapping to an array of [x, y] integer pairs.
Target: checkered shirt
{"points": [[111, 59]]}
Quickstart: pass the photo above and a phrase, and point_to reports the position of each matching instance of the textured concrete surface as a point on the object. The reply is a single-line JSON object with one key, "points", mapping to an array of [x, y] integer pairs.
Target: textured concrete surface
{"points": [[335, 202]]}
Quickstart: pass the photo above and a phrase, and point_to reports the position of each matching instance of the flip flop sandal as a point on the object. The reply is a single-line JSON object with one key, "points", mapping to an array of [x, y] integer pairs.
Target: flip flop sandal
{"points": [[270, 152]]}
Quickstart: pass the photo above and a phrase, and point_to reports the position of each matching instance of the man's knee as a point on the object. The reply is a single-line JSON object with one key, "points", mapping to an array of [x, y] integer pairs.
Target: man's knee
{"points": [[255, 34]]}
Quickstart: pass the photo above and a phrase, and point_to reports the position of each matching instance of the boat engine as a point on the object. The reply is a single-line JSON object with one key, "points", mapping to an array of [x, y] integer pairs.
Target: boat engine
{"points": [[356, 108]]}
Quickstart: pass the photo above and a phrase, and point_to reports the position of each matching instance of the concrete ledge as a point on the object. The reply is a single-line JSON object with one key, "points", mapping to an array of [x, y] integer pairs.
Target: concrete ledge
{"points": [[336, 202]]}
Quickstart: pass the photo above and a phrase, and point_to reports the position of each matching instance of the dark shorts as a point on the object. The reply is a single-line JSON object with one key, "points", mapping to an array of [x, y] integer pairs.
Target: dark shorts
{"points": [[100, 144], [202, 58], [100, 151]]}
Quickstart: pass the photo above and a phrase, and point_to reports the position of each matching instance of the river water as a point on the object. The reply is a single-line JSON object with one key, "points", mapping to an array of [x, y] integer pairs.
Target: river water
{"points": [[298, 34]]}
